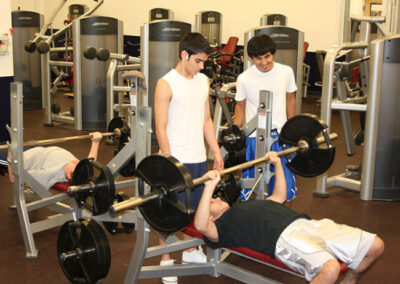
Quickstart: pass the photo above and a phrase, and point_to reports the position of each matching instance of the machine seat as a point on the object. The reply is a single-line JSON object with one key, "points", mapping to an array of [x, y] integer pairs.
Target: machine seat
{"points": [[61, 187], [228, 48]]}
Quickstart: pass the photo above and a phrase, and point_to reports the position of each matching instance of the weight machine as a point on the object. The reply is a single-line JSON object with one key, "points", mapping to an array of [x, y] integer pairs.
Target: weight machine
{"points": [[209, 24], [119, 63], [379, 178], [138, 147]]}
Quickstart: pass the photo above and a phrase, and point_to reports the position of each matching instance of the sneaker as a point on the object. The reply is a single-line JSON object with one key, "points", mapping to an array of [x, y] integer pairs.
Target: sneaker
{"points": [[196, 256], [168, 279]]}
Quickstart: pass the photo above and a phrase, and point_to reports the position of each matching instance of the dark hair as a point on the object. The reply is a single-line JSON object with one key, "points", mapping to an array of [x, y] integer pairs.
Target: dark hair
{"points": [[260, 45], [194, 43]]}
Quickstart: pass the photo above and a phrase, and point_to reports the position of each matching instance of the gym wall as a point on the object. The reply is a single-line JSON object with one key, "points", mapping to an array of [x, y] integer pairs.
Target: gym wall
{"points": [[6, 60], [6, 71], [321, 21]]}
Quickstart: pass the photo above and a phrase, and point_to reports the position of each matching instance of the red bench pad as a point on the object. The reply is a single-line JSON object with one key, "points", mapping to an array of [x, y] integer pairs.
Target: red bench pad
{"points": [[61, 187], [191, 231]]}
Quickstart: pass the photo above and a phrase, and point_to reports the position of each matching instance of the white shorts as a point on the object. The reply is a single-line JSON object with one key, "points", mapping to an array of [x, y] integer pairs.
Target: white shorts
{"points": [[306, 245]]}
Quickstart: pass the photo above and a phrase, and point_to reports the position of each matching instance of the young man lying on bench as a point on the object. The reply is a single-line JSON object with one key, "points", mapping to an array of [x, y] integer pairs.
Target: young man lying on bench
{"points": [[310, 247], [50, 165]]}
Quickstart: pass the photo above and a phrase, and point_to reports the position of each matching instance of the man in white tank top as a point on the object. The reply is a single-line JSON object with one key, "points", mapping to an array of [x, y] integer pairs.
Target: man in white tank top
{"points": [[183, 121]]}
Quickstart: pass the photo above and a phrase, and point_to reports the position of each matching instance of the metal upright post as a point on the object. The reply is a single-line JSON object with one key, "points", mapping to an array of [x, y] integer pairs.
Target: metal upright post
{"points": [[76, 31], [110, 89], [263, 141], [46, 94], [17, 166]]}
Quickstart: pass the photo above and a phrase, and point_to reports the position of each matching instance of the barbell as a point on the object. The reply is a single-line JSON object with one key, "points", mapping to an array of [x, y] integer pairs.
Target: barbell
{"points": [[58, 140], [166, 176], [117, 132]]}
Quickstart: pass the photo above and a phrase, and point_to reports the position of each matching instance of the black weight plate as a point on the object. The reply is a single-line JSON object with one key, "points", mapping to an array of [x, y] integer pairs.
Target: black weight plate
{"points": [[128, 170], [314, 163], [118, 122], [235, 158], [164, 171], [82, 175], [93, 262], [302, 126], [103, 195], [104, 255], [83, 172], [227, 189], [238, 144]]}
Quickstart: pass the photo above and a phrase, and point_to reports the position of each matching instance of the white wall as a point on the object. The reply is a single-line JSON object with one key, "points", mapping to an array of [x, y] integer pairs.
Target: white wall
{"points": [[357, 7], [320, 20], [6, 61]]}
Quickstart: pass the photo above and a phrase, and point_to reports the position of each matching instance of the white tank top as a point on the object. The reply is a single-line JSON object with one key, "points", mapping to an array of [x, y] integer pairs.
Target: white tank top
{"points": [[186, 116]]}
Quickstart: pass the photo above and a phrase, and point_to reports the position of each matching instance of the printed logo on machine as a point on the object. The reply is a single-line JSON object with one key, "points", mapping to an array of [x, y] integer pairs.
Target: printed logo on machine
{"points": [[171, 29], [99, 24], [279, 35], [25, 18]]}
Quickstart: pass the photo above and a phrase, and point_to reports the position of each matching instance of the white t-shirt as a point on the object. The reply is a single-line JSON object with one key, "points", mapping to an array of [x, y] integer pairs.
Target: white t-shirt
{"points": [[186, 116], [46, 164], [280, 80]]}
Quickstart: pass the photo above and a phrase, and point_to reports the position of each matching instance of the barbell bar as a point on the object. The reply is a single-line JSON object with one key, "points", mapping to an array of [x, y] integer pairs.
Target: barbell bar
{"points": [[302, 146], [63, 139]]}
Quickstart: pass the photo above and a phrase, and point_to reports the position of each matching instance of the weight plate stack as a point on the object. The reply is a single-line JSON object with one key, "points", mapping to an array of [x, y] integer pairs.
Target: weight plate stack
{"points": [[83, 251]]}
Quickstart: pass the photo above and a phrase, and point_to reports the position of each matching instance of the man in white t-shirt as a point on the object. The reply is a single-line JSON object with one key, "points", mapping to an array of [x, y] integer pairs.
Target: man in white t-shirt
{"points": [[183, 123], [271, 76]]}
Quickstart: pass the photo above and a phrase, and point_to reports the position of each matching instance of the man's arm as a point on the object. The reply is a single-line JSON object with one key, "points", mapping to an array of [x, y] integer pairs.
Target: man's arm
{"points": [[163, 95], [290, 105], [202, 219], [94, 148], [239, 113], [209, 135], [279, 193]]}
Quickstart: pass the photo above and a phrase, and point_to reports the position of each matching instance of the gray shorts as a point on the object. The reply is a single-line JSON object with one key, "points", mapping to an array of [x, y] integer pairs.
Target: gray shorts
{"points": [[306, 245]]}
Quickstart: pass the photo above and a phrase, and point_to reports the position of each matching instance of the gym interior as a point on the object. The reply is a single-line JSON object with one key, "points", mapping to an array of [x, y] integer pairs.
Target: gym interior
{"points": [[72, 67]]}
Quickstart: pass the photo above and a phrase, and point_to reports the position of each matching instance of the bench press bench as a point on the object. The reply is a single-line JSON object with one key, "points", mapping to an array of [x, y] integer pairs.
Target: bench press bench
{"points": [[255, 255], [214, 267], [61, 187]]}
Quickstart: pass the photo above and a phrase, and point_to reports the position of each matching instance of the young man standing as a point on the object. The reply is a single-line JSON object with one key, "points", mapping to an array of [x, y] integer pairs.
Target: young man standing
{"points": [[310, 247], [271, 76], [183, 121]]}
